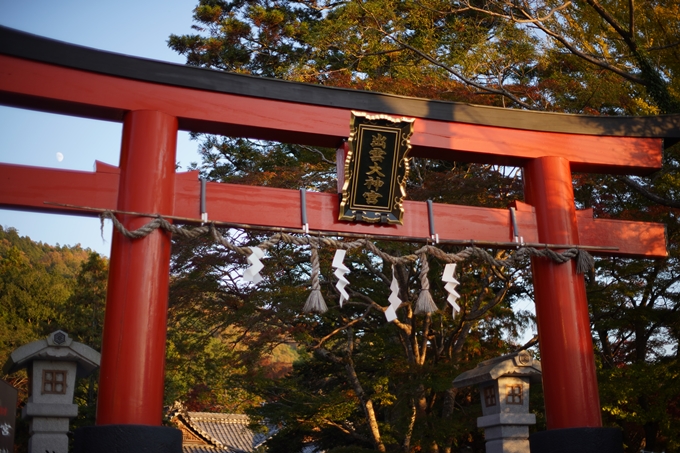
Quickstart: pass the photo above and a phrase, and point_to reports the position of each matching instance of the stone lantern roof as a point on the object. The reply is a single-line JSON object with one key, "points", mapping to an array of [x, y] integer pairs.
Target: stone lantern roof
{"points": [[58, 346], [53, 365], [517, 364], [504, 384]]}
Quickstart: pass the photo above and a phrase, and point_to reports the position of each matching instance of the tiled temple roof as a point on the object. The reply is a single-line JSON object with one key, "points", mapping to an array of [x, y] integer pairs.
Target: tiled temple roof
{"points": [[205, 432]]}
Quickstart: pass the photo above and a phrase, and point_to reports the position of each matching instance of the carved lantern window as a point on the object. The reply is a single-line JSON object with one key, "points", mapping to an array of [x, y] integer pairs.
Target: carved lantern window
{"points": [[489, 396], [514, 395], [54, 382]]}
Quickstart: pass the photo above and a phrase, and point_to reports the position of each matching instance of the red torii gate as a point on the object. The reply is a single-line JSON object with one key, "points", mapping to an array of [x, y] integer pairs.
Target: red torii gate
{"points": [[155, 99]]}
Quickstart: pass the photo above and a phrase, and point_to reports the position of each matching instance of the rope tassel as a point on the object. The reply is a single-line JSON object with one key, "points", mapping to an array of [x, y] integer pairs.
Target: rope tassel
{"points": [[315, 302], [584, 261], [425, 304]]}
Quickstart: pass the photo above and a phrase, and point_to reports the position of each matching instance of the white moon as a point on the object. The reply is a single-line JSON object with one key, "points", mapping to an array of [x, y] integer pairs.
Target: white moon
{"points": [[60, 157]]}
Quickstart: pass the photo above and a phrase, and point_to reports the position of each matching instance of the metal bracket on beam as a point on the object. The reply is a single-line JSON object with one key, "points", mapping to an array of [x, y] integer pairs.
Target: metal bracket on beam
{"points": [[303, 209], [340, 156], [204, 212], [430, 214], [515, 230]]}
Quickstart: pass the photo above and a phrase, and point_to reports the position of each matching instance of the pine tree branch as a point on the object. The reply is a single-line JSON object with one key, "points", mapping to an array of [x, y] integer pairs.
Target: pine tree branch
{"points": [[468, 81], [313, 5], [627, 35], [589, 58], [447, 68], [529, 18], [538, 22]]}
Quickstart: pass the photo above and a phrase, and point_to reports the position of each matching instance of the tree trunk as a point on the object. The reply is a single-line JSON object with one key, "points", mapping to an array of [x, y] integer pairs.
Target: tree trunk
{"points": [[409, 432], [366, 403]]}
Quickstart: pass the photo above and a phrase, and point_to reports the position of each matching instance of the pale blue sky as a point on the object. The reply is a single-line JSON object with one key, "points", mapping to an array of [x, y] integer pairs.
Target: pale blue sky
{"points": [[139, 28]]}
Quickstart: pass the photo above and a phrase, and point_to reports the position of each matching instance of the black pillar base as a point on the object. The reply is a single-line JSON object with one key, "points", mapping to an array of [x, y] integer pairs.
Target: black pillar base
{"points": [[127, 439], [577, 440]]}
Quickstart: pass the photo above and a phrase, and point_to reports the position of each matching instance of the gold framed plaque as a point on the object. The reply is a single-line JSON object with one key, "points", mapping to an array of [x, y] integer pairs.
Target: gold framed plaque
{"points": [[376, 169]]}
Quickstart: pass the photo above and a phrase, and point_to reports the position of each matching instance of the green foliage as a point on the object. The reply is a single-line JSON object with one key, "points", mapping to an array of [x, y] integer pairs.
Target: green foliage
{"points": [[202, 374], [43, 289], [36, 281], [643, 399], [83, 315]]}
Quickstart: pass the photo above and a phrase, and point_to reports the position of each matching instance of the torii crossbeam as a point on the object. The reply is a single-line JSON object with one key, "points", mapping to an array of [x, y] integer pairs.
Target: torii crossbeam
{"points": [[154, 99]]}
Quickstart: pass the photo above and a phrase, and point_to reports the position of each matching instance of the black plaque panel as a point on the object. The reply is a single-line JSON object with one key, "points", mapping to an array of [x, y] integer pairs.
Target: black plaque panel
{"points": [[577, 440], [376, 169], [8, 416], [127, 439]]}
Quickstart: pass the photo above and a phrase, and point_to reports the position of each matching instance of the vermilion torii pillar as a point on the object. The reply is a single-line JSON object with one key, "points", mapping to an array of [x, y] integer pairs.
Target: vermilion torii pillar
{"points": [[131, 387], [153, 100], [561, 304]]}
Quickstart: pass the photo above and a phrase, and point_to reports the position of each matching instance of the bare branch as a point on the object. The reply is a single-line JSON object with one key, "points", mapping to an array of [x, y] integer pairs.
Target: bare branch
{"points": [[344, 429], [648, 194], [327, 355], [341, 328], [367, 262], [530, 343], [631, 17], [668, 46], [498, 298], [426, 337], [316, 151]]}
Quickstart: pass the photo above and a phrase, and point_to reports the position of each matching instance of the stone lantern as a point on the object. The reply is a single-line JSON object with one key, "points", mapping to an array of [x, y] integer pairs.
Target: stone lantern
{"points": [[503, 385], [53, 366]]}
